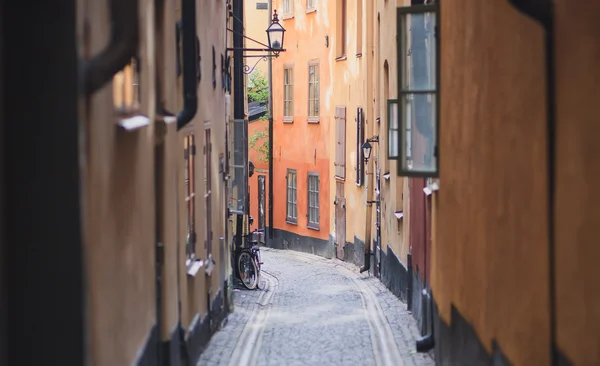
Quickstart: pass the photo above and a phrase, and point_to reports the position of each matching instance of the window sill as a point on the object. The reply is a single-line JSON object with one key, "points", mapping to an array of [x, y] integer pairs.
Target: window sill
{"points": [[287, 16], [313, 120], [341, 179], [288, 119], [313, 227], [210, 265], [341, 58], [193, 266], [359, 54], [291, 222], [133, 122], [311, 10]]}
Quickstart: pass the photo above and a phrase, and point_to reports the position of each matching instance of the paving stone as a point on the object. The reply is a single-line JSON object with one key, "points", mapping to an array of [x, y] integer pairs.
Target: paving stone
{"points": [[317, 317]]}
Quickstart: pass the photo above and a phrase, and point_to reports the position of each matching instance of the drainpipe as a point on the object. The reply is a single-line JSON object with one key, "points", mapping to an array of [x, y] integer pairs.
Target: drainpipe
{"points": [[123, 45], [190, 63], [368, 220], [542, 11], [270, 156], [369, 131], [238, 97]]}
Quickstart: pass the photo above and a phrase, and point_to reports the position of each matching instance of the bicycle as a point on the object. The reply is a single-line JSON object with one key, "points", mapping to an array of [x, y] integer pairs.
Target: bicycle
{"points": [[248, 261]]}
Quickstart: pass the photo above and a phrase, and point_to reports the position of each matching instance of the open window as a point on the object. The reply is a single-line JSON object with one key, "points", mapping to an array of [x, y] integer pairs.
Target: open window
{"points": [[417, 119], [392, 117]]}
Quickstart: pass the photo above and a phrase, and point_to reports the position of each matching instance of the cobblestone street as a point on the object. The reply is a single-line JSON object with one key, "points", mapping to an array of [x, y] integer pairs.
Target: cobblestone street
{"points": [[314, 311]]}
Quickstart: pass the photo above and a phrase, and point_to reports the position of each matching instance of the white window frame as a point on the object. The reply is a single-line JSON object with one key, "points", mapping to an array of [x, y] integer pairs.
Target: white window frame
{"points": [[291, 212], [314, 195]]}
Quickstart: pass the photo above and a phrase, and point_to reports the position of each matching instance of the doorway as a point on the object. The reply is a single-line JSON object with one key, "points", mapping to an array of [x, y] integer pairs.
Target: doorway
{"points": [[262, 205], [340, 220]]}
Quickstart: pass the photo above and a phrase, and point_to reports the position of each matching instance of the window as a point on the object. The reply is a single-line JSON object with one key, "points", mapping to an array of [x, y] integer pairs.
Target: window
{"points": [[392, 117], [311, 5], [360, 137], [288, 94], [126, 91], [313, 200], [340, 142], [418, 120], [189, 154], [292, 197], [313, 92], [341, 14], [208, 191], [288, 8]]}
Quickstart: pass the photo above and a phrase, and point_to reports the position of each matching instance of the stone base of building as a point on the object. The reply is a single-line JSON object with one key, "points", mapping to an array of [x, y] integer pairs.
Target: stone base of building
{"points": [[183, 351], [203, 329], [354, 252], [283, 239], [148, 355], [393, 273], [458, 344]]}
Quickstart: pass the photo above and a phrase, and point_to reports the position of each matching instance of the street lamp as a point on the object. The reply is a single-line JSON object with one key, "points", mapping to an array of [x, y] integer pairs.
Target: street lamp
{"points": [[275, 34], [366, 148]]}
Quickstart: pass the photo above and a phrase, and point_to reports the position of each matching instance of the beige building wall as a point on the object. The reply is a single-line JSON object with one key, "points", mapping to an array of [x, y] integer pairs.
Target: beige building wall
{"points": [[256, 22], [394, 190], [352, 89], [119, 208], [123, 211], [366, 77]]}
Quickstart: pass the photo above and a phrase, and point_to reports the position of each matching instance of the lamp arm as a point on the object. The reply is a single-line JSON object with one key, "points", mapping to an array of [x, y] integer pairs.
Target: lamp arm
{"points": [[249, 38]]}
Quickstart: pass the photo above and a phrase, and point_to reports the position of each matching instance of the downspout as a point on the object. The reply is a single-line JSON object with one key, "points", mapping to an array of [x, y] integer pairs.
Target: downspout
{"points": [[190, 63], [270, 156], [238, 95], [369, 131], [122, 46], [542, 11]]}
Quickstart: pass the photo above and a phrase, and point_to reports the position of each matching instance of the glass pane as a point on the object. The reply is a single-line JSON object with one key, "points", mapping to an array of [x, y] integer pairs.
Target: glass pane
{"points": [[419, 132], [393, 144], [418, 51], [393, 116]]}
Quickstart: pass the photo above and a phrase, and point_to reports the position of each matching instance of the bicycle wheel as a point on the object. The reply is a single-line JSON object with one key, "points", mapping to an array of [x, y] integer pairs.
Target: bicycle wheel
{"points": [[248, 270]]}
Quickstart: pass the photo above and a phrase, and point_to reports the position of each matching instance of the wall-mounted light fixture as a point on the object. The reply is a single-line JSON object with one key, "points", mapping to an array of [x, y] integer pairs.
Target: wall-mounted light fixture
{"points": [[366, 147], [275, 36]]}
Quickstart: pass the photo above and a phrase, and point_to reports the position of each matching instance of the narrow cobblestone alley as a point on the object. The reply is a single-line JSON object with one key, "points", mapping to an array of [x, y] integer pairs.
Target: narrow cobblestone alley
{"points": [[314, 311]]}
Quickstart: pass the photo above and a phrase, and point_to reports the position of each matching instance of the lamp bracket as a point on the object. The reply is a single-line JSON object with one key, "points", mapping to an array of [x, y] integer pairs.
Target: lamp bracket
{"points": [[248, 70]]}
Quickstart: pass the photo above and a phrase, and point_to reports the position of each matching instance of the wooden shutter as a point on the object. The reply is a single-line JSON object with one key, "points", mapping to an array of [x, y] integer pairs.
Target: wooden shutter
{"points": [[340, 142]]}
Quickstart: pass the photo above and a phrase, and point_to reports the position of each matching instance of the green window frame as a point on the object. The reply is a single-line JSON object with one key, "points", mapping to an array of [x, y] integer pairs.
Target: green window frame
{"points": [[418, 92]]}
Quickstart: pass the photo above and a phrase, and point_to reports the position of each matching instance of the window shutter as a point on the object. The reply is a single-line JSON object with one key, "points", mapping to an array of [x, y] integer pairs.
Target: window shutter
{"points": [[340, 148]]}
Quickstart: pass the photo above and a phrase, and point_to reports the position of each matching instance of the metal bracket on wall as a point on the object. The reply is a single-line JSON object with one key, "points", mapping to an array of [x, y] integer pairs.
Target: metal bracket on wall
{"points": [[248, 69]]}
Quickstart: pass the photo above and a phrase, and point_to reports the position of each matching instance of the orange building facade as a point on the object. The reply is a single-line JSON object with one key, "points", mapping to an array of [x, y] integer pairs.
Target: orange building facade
{"points": [[302, 117]]}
